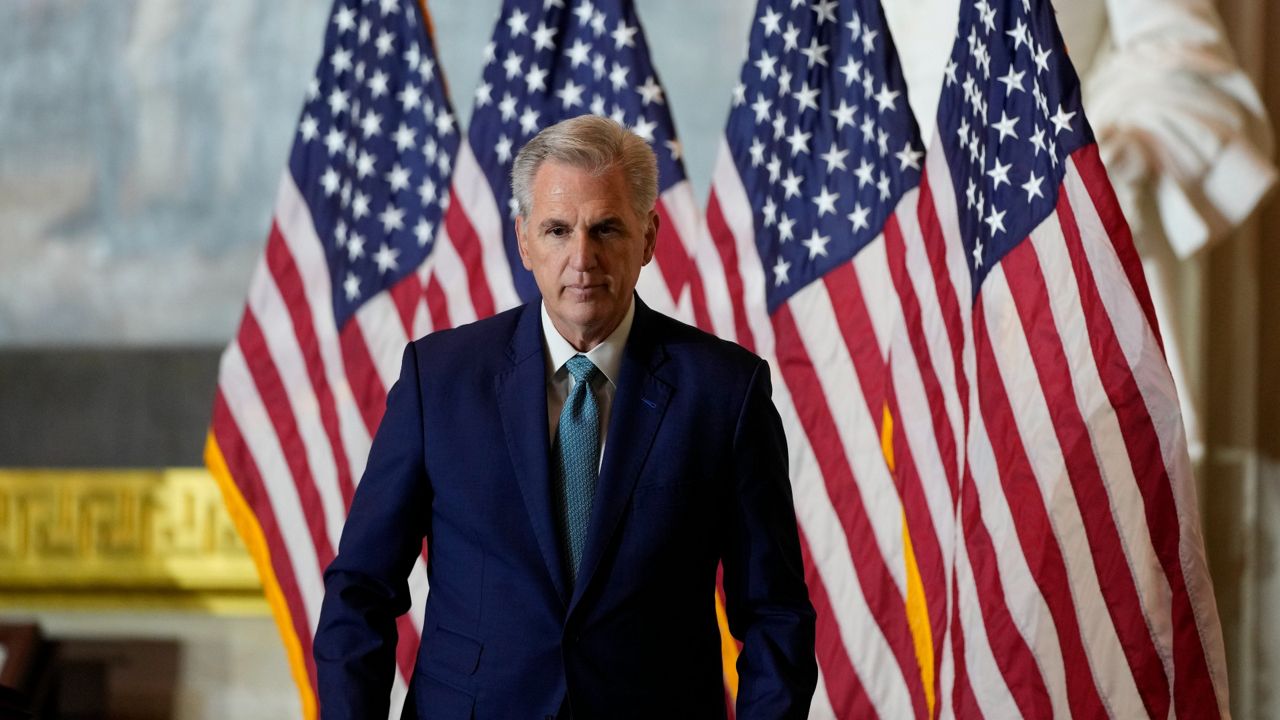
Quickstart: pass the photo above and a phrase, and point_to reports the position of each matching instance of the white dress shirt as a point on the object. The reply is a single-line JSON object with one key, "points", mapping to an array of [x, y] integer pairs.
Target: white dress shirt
{"points": [[607, 357]]}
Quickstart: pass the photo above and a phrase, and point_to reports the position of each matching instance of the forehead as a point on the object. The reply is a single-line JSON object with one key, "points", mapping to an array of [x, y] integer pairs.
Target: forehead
{"points": [[559, 187]]}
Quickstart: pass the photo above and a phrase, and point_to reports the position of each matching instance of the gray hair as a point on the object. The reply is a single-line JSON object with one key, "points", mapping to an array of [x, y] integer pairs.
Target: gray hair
{"points": [[595, 144]]}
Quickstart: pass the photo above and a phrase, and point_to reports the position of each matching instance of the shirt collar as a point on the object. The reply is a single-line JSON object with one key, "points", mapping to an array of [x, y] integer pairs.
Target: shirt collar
{"points": [[607, 356]]}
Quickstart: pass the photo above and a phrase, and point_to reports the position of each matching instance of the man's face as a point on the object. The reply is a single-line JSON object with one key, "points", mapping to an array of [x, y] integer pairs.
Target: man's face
{"points": [[585, 246]]}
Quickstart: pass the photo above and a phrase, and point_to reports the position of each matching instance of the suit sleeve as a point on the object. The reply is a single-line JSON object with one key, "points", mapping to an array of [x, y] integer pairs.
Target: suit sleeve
{"points": [[766, 599], [366, 585]]}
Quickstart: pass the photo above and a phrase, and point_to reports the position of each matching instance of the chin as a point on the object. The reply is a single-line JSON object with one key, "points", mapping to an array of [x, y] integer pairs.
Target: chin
{"points": [[590, 319]]}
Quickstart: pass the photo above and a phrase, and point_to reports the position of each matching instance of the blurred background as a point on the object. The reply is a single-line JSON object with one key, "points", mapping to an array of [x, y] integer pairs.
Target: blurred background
{"points": [[141, 142]]}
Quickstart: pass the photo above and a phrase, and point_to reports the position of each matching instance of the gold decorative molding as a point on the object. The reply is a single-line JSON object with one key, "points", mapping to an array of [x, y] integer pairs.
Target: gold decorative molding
{"points": [[121, 538]]}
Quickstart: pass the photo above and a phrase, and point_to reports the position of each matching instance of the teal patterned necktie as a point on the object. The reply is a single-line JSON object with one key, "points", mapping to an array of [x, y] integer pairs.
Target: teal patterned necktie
{"points": [[576, 455]]}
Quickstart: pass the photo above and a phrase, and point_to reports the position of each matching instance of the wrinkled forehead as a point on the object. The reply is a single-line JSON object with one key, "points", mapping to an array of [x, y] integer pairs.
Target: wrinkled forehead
{"points": [[560, 187]]}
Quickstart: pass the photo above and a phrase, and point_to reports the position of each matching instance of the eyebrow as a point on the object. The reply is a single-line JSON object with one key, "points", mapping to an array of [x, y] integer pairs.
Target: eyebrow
{"points": [[606, 223]]}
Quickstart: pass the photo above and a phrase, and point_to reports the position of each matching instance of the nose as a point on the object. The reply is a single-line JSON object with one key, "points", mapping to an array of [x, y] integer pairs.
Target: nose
{"points": [[582, 252]]}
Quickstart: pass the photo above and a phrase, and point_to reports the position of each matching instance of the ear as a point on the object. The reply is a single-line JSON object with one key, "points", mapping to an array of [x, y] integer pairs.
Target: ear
{"points": [[522, 241], [650, 237]]}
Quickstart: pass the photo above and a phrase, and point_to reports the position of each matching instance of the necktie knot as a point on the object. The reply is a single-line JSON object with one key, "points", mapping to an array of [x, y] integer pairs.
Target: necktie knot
{"points": [[582, 369]]}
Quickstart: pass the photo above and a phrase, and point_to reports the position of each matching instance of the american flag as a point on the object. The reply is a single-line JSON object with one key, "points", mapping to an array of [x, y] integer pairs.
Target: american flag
{"points": [[1037, 422], [549, 60], [821, 161], [1040, 556], [350, 274]]}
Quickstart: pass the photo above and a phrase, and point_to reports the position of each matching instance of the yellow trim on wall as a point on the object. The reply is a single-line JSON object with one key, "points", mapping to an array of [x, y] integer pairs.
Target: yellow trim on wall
{"points": [[215, 604], [97, 537]]}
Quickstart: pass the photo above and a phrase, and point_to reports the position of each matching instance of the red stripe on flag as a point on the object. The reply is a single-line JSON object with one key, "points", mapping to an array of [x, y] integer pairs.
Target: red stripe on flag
{"points": [[1094, 175], [366, 386], [244, 472], [289, 281], [406, 646], [727, 247], [1031, 522], [859, 336], [276, 401], [1031, 299], [877, 583], [437, 303], [895, 250], [463, 236], [1194, 695], [405, 295], [948, 300], [698, 300], [845, 691], [963, 700], [674, 262], [1018, 665]]}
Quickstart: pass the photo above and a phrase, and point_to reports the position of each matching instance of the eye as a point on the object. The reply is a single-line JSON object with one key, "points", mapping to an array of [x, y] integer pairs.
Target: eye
{"points": [[558, 231]]}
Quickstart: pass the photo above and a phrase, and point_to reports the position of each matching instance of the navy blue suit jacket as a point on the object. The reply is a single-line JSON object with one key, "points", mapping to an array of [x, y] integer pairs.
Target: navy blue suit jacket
{"points": [[694, 474]]}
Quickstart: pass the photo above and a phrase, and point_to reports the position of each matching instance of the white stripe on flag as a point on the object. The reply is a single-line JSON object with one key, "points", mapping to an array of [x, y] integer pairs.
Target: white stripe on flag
{"points": [[859, 436], [277, 330], [294, 221], [920, 439], [820, 708], [471, 188], [652, 286], [1137, 338], [985, 678], [944, 204], [1030, 613], [399, 691], [1155, 383], [738, 214], [869, 651], [937, 338], [384, 335], [422, 324], [715, 285], [871, 265], [451, 273], [682, 208], [1035, 425], [685, 214], [259, 434], [1106, 436]]}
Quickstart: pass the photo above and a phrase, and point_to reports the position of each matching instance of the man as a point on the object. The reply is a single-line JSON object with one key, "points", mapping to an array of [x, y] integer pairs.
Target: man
{"points": [[578, 467]]}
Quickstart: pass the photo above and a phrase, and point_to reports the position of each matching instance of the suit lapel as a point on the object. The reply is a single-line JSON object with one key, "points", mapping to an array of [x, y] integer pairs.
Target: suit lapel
{"points": [[522, 403], [638, 409]]}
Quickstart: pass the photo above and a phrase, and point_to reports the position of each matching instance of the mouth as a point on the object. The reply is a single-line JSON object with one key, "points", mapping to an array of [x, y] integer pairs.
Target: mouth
{"points": [[585, 289]]}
